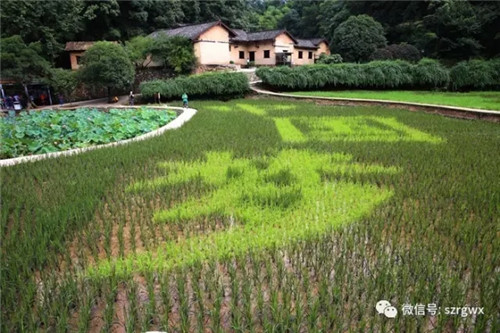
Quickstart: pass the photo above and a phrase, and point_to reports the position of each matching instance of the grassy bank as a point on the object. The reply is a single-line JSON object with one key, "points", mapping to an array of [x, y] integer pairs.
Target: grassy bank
{"points": [[259, 215], [489, 100]]}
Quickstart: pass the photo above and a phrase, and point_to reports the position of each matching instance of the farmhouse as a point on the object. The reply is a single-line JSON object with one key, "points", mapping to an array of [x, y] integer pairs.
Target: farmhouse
{"points": [[217, 44], [76, 50]]}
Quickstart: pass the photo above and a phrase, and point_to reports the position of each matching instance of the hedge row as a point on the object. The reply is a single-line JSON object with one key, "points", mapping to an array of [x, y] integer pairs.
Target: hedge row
{"points": [[398, 74], [475, 75], [221, 85]]}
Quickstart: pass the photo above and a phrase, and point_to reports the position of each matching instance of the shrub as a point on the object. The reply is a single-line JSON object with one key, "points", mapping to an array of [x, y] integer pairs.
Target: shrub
{"points": [[381, 54], [401, 51], [329, 59], [64, 81], [219, 85], [376, 74], [404, 51], [429, 73], [475, 75]]}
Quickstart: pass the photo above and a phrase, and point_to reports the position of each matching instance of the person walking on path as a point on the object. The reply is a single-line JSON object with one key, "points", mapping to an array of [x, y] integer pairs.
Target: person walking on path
{"points": [[61, 99], [131, 98], [184, 100], [158, 98]]}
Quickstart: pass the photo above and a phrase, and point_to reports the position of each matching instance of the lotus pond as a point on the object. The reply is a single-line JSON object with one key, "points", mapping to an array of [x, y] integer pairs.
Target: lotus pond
{"points": [[39, 132], [260, 216]]}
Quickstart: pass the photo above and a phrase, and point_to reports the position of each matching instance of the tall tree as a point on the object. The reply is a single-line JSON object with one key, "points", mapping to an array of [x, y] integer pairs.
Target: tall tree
{"points": [[107, 65], [138, 50], [176, 53], [49, 22], [22, 63], [358, 37]]}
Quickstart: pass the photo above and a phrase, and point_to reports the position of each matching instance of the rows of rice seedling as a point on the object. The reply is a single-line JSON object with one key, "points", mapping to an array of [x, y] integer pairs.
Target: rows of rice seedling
{"points": [[259, 215]]}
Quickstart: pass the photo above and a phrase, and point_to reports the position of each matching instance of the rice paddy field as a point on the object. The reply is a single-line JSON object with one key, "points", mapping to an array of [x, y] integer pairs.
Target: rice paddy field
{"points": [[488, 100], [261, 215]]}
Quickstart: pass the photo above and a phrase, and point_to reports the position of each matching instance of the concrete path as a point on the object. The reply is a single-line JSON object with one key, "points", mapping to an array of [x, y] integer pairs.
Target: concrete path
{"points": [[450, 108], [122, 100]]}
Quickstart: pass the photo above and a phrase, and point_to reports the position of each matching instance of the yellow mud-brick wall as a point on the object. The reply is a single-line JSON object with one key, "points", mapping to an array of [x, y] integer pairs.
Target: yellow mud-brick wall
{"points": [[305, 56], [322, 48], [73, 57], [258, 48], [212, 47], [235, 49], [283, 42]]}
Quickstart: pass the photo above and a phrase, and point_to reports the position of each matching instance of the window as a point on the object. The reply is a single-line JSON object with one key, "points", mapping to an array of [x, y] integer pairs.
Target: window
{"points": [[266, 54], [242, 54], [300, 54], [78, 60], [310, 55]]}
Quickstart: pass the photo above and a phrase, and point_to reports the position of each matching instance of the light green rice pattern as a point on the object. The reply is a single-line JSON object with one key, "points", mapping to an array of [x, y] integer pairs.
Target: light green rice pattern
{"points": [[284, 202]]}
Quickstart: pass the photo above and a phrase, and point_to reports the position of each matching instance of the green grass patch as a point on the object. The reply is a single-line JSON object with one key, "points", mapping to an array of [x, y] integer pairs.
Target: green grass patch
{"points": [[489, 100]]}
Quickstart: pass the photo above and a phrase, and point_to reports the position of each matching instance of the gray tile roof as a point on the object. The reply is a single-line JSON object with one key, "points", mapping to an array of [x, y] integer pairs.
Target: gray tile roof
{"points": [[194, 31], [306, 44], [316, 41], [82, 45], [78, 46], [191, 31], [243, 36]]}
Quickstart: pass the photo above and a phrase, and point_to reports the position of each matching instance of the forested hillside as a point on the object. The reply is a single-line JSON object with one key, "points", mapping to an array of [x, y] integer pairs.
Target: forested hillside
{"points": [[445, 29]]}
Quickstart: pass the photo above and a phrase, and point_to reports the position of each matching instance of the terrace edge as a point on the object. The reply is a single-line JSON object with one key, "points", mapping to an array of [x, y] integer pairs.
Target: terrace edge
{"points": [[446, 110]]}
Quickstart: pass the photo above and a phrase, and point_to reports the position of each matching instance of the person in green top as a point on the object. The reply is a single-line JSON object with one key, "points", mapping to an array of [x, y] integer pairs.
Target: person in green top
{"points": [[184, 100]]}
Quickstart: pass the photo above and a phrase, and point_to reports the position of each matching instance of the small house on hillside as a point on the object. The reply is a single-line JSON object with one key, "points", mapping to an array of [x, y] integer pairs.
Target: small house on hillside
{"points": [[76, 50]]}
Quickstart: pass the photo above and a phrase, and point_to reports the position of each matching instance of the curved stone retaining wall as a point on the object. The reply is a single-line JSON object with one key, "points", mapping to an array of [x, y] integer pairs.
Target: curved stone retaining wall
{"points": [[446, 110]]}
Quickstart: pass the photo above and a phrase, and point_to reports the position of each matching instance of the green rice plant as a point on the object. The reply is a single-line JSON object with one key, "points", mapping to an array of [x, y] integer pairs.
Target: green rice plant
{"points": [[166, 301], [403, 207], [255, 206]]}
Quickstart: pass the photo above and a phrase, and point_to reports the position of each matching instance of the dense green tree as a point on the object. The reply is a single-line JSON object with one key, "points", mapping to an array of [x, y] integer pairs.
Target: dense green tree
{"points": [[138, 50], [176, 53], [449, 29], [106, 64], [302, 19], [271, 17], [446, 29], [22, 63], [49, 22], [358, 37], [63, 81], [401, 51]]}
